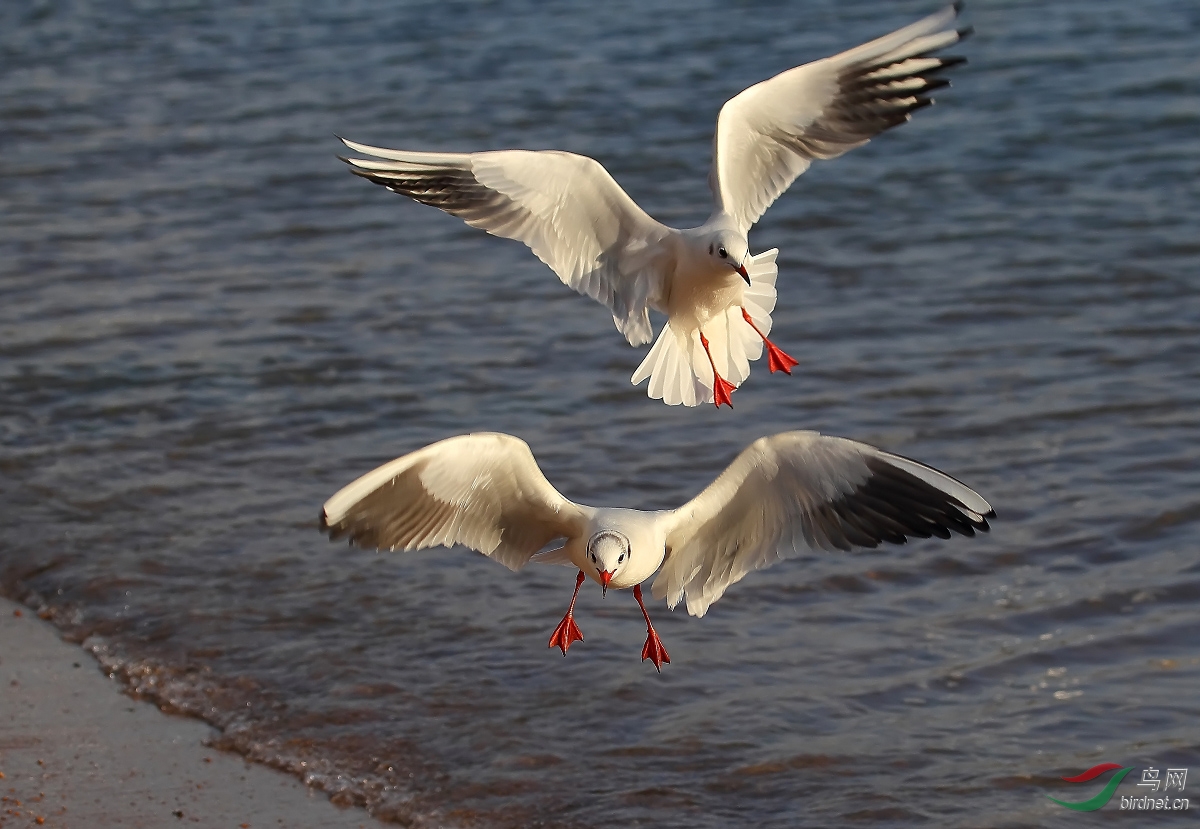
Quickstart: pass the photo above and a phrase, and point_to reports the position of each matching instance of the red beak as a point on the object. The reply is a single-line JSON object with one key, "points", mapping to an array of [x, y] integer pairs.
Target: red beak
{"points": [[605, 578], [741, 269]]}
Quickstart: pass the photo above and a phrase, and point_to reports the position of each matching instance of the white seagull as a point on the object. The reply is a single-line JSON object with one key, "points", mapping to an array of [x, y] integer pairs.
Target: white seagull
{"points": [[717, 297], [785, 493]]}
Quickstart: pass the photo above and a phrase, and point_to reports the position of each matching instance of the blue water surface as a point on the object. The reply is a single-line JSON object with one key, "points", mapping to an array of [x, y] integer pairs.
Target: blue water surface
{"points": [[208, 326]]}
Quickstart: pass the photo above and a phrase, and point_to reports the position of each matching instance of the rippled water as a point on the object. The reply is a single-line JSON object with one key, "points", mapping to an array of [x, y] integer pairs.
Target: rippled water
{"points": [[208, 327]]}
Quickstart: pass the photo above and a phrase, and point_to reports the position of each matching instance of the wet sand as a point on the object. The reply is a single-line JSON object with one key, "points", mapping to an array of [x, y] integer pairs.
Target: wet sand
{"points": [[77, 752]]}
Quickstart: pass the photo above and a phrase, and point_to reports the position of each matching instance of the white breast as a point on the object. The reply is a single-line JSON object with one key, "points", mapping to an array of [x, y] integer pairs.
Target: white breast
{"points": [[646, 533]]}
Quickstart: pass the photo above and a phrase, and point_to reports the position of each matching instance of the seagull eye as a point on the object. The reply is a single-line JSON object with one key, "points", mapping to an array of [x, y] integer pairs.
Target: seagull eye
{"points": [[721, 252], [620, 558]]}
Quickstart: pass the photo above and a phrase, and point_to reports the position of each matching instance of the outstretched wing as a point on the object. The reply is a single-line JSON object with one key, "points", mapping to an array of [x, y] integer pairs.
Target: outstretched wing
{"points": [[565, 207], [768, 134], [484, 491], [802, 490]]}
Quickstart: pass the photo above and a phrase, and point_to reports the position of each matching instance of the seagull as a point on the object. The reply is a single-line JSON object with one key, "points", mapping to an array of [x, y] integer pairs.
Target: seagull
{"points": [[717, 297], [783, 494]]}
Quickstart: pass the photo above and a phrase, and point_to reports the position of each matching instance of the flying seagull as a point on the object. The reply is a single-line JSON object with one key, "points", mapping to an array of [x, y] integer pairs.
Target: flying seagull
{"points": [[717, 296], [785, 493]]}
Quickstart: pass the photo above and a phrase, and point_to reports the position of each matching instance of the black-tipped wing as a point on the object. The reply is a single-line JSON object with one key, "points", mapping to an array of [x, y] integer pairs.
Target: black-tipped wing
{"points": [[802, 490], [567, 208], [484, 491], [769, 134]]}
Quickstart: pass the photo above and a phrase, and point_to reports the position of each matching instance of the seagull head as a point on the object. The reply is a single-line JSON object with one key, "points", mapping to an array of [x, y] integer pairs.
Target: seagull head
{"points": [[730, 250], [608, 552]]}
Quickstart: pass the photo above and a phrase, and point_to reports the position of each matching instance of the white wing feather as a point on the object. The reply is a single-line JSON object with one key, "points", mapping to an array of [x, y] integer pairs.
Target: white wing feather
{"points": [[484, 491], [565, 207], [801, 490], [769, 134]]}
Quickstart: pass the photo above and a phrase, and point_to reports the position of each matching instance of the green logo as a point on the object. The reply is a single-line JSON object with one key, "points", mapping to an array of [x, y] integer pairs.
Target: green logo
{"points": [[1105, 795]]}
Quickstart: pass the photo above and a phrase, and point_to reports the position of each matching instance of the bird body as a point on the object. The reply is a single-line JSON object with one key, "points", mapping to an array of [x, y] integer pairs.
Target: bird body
{"points": [[783, 494], [698, 286], [576, 218], [630, 532]]}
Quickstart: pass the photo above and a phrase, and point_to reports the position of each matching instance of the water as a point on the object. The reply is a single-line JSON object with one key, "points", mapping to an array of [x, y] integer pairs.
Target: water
{"points": [[208, 326]]}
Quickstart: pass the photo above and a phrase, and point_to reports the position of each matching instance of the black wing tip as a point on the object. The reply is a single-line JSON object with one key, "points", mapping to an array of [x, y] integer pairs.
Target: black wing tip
{"points": [[982, 524], [957, 5], [922, 510], [335, 531], [372, 176], [965, 32]]}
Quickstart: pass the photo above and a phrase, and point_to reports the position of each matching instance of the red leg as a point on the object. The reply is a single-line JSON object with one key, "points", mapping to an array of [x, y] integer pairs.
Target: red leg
{"points": [[722, 388], [653, 649], [777, 358], [567, 631]]}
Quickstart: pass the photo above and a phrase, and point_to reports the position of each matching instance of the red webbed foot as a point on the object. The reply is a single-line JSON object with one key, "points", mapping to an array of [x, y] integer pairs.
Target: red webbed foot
{"points": [[722, 388], [777, 358], [653, 649], [567, 631], [721, 391]]}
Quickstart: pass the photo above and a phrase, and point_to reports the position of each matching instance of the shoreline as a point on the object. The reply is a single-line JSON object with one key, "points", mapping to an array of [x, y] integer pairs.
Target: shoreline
{"points": [[76, 751]]}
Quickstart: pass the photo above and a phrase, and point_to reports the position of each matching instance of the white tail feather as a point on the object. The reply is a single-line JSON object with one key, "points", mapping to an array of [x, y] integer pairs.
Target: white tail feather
{"points": [[678, 369]]}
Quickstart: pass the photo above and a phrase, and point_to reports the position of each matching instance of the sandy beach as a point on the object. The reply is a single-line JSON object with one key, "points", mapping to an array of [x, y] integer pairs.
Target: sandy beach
{"points": [[77, 752]]}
